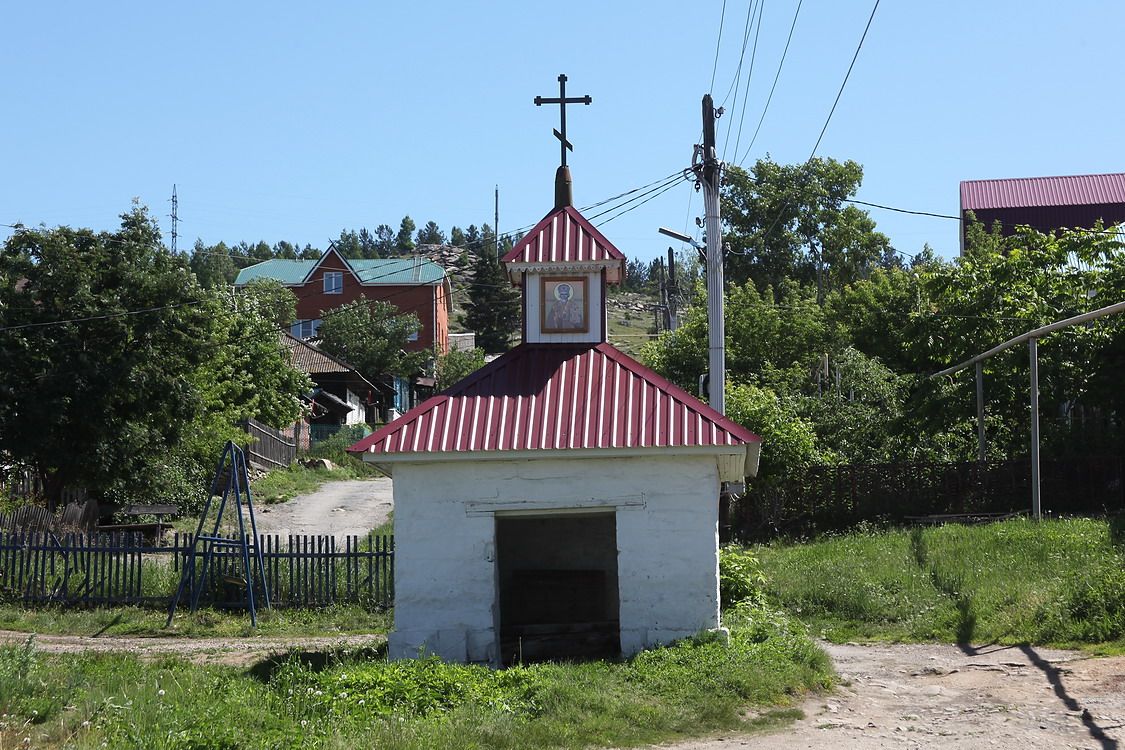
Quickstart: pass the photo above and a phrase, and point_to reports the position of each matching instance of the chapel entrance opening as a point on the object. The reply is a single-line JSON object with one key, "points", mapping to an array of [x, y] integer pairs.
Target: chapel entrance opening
{"points": [[558, 586]]}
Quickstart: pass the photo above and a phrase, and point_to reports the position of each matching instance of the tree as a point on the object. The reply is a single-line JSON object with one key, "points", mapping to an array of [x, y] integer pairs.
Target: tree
{"points": [[212, 265], [107, 342], [472, 238], [384, 241], [790, 222], [368, 247], [286, 250], [404, 240], [493, 310], [431, 234], [636, 275], [372, 336], [456, 365], [308, 252], [348, 244], [456, 237]]}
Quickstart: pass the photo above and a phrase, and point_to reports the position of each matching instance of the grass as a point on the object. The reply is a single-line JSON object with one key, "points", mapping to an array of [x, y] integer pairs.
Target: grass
{"points": [[362, 701], [205, 623], [282, 485], [1055, 582]]}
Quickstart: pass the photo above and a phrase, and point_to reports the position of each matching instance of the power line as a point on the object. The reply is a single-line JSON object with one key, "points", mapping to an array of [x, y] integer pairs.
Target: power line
{"points": [[715, 67], [776, 76], [741, 55], [845, 81], [749, 76]]}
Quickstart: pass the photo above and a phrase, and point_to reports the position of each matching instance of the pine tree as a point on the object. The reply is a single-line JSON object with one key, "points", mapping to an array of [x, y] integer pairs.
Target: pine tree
{"points": [[404, 240], [493, 310]]}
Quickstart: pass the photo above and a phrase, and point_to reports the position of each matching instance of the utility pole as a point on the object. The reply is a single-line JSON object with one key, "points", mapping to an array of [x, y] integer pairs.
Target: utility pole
{"points": [[672, 292], [664, 309], [708, 170], [175, 217], [496, 225]]}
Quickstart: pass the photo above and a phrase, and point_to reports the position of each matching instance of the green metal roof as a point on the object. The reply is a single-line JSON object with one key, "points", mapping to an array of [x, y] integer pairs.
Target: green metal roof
{"points": [[388, 272]]}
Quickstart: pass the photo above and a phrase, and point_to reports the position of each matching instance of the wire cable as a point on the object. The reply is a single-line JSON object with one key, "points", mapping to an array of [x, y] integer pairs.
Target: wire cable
{"points": [[773, 87], [715, 67], [846, 77]]}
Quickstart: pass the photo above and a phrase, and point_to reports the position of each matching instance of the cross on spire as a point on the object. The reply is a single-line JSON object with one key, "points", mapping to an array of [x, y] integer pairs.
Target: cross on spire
{"points": [[562, 101]]}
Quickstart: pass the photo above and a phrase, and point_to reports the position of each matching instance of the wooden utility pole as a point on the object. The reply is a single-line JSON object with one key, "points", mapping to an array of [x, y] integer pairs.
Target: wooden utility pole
{"points": [[708, 169]]}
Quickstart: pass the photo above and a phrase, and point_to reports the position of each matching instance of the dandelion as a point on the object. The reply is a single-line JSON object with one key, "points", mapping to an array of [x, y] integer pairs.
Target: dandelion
{"points": [[160, 693], [304, 722], [362, 701], [318, 693], [86, 723]]}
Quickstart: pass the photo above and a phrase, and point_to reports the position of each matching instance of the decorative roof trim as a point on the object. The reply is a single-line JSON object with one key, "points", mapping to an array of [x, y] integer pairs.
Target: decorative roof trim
{"points": [[332, 251]]}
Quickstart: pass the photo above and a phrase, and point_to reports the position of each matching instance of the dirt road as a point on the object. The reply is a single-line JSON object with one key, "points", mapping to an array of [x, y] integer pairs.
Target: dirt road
{"points": [[930, 696], [337, 508], [232, 651]]}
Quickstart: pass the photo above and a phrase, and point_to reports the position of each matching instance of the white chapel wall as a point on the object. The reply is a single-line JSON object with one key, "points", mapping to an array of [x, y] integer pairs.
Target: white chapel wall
{"points": [[445, 577]]}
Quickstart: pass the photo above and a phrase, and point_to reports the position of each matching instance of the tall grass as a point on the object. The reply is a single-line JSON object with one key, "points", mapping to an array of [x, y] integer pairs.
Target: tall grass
{"points": [[363, 701], [1054, 582]]}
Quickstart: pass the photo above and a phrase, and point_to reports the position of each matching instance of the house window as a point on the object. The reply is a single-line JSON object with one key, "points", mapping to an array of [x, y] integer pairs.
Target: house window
{"points": [[306, 329], [333, 282]]}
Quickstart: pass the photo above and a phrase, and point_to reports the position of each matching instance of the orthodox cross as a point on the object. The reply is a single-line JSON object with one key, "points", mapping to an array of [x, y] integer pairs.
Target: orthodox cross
{"points": [[562, 101]]}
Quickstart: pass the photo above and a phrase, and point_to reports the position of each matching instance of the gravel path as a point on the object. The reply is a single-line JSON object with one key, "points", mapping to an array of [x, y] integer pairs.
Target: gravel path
{"points": [[338, 508], [232, 651], [934, 696]]}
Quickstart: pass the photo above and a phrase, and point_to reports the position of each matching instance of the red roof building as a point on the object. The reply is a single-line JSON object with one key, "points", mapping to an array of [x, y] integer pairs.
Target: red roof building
{"points": [[565, 388], [563, 500], [1045, 203]]}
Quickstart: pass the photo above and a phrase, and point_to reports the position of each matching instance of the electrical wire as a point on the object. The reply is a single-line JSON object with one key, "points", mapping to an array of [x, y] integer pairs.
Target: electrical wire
{"points": [[773, 87], [749, 77], [846, 77], [715, 67]]}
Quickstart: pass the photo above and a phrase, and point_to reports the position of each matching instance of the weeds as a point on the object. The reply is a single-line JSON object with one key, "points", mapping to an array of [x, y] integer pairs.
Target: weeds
{"points": [[1057, 582], [363, 701]]}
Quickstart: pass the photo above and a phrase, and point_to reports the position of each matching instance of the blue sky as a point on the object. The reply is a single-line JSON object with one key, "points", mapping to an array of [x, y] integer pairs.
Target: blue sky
{"points": [[284, 121]]}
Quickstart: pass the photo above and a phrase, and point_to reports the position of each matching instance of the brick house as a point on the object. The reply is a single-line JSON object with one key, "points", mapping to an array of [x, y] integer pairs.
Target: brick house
{"points": [[413, 285]]}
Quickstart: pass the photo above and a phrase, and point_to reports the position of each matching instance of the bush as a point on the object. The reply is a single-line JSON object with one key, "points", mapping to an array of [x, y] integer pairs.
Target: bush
{"points": [[403, 688], [740, 577]]}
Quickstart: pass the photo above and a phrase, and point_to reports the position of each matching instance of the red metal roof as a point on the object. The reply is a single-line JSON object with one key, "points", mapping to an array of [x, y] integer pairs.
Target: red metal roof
{"points": [[564, 235], [557, 396], [1077, 190]]}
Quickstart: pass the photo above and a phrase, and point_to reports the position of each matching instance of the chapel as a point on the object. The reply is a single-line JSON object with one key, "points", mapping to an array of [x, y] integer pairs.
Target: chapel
{"points": [[562, 501]]}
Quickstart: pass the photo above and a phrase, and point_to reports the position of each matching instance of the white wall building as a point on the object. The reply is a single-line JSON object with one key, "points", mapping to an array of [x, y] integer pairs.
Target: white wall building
{"points": [[562, 500]]}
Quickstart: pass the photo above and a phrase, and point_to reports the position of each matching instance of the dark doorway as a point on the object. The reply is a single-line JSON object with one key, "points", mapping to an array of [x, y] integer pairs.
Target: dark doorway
{"points": [[558, 587]]}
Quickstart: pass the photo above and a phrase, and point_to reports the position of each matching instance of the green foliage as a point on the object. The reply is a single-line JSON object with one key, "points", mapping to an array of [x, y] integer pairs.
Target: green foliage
{"points": [[783, 222], [404, 240], [89, 402], [788, 441], [493, 309], [456, 365], [414, 688], [740, 577], [431, 234], [127, 403], [371, 336], [338, 699], [1049, 582]]}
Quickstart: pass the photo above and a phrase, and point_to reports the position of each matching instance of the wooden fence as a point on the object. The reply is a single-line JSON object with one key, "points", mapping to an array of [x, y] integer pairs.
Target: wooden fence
{"points": [[268, 447], [833, 498], [104, 570]]}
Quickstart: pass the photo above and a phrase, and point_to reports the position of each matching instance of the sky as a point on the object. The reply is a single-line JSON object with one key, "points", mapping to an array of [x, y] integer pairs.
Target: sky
{"points": [[285, 121]]}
